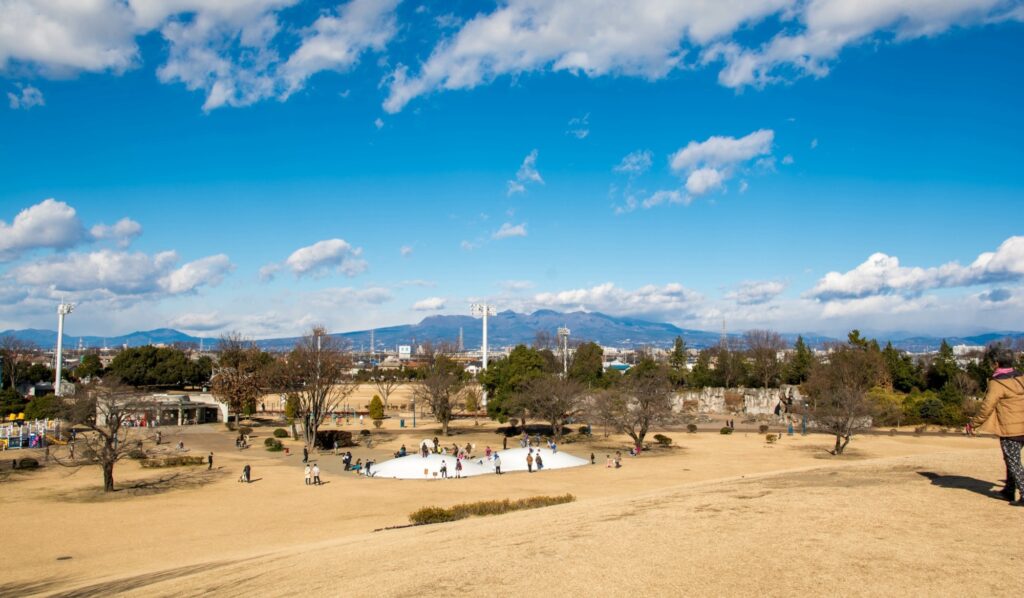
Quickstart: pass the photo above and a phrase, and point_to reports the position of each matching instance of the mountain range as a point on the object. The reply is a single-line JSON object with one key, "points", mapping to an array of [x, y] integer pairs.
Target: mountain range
{"points": [[506, 328]]}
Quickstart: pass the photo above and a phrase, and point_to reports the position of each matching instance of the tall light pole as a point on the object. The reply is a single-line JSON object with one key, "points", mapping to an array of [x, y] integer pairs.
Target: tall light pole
{"points": [[563, 338], [478, 310], [62, 310]]}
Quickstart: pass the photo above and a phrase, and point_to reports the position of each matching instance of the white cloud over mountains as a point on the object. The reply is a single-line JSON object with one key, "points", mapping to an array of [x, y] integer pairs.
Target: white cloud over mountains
{"points": [[882, 274], [429, 304], [756, 292], [674, 299]]}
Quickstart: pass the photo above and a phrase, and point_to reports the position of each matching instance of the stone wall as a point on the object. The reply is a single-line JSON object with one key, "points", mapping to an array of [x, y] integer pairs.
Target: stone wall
{"points": [[750, 401]]}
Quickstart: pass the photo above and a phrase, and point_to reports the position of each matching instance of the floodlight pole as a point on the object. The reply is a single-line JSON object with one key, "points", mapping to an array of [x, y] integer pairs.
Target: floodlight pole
{"points": [[62, 310], [485, 310]]}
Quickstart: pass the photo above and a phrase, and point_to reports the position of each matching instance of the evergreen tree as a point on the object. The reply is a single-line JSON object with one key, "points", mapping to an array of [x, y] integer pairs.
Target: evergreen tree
{"points": [[677, 362], [587, 365], [901, 369], [703, 374], [798, 369], [943, 368]]}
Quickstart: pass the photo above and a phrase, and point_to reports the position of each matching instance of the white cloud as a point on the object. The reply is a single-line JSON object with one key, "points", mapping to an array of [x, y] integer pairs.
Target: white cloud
{"points": [[882, 274], [702, 180], [635, 163], [597, 37], [29, 97], [378, 123], [669, 300], [336, 41], [723, 152], [787, 159], [526, 174], [579, 127], [744, 185], [664, 196], [319, 258], [468, 245], [199, 322], [429, 304], [118, 273], [831, 25], [814, 143], [510, 230], [59, 38], [346, 296], [50, 223], [406, 250], [123, 231], [756, 292]]}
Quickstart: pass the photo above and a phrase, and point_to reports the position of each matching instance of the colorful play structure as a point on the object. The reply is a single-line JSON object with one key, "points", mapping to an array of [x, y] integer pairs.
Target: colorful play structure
{"points": [[18, 434]]}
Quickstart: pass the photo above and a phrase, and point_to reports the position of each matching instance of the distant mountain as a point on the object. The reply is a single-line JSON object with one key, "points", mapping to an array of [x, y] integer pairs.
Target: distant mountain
{"points": [[507, 328], [47, 339]]}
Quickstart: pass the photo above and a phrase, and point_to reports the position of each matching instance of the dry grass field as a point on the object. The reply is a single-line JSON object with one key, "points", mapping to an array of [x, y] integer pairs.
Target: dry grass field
{"points": [[714, 515]]}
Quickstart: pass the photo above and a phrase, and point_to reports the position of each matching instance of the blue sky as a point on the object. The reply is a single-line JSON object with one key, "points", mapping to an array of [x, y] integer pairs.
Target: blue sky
{"points": [[804, 166]]}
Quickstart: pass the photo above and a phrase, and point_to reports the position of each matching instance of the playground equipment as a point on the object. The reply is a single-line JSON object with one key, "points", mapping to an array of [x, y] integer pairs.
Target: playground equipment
{"points": [[30, 434]]}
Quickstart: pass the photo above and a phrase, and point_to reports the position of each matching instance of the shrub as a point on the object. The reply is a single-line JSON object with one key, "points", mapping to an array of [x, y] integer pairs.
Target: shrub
{"points": [[280, 433], [921, 429], [691, 428], [892, 432], [763, 428], [482, 508], [137, 454], [376, 408], [173, 461], [271, 441], [726, 430], [364, 432], [584, 430], [771, 438], [325, 438], [273, 444], [377, 423], [230, 426], [245, 430], [663, 440], [28, 463]]}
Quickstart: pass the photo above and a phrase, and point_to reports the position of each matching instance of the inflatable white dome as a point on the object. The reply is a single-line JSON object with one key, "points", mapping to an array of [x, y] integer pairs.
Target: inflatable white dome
{"points": [[417, 467]]}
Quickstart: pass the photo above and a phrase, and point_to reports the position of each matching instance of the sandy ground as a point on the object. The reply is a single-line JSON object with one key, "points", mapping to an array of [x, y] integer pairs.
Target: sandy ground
{"points": [[716, 515]]}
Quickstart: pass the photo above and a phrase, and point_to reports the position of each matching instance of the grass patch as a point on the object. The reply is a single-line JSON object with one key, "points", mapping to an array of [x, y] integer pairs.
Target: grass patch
{"points": [[428, 515]]}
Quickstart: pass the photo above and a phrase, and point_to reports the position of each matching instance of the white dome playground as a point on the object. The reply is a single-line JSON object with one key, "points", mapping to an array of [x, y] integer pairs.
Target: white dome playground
{"points": [[415, 466]]}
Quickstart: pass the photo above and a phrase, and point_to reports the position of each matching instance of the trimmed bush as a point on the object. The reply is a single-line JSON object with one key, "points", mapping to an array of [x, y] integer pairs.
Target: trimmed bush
{"points": [[377, 423], [771, 438], [137, 454], [364, 432], [28, 463], [763, 428], [663, 440], [726, 430], [230, 425], [280, 433], [273, 444], [245, 430], [691, 428], [376, 408], [585, 430], [483, 508]]}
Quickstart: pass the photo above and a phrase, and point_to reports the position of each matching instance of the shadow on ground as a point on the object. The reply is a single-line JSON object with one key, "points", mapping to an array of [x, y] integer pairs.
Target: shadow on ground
{"points": [[167, 482], [960, 482]]}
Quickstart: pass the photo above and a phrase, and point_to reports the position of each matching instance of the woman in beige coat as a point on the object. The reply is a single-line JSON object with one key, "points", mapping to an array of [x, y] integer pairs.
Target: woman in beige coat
{"points": [[1002, 414]]}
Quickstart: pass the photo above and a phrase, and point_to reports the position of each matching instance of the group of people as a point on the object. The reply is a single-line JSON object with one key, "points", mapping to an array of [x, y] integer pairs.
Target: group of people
{"points": [[609, 462], [313, 475]]}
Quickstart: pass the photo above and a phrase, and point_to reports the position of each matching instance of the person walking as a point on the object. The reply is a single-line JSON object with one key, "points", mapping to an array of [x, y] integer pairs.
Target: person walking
{"points": [[458, 468], [539, 461], [497, 463], [246, 473], [1002, 414], [316, 475], [529, 462], [444, 470], [504, 443], [305, 454], [309, 475], [209, 461]]}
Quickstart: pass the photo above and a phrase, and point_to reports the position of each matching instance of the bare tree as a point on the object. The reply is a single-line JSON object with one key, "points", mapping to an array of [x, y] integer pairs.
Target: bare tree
{"points": [[838, 392], [554, 399], [103, 409], [386, 383], [12, 352], [318, 375], [763, 347], [642, 400], [543, 339], [440, 387], [242, 374]]}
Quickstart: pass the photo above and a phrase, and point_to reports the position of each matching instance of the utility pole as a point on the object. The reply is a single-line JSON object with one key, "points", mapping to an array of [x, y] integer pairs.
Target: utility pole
{"points": [[563, 341]]}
